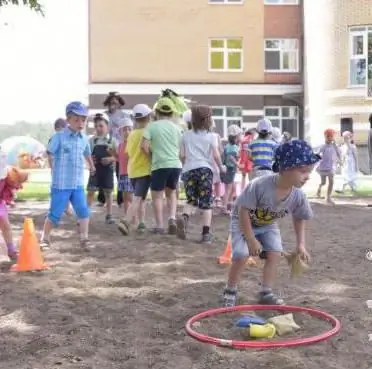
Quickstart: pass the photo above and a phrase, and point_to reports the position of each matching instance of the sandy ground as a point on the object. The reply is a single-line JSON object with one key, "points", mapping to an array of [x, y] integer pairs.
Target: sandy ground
{"points": [[125, 304]]}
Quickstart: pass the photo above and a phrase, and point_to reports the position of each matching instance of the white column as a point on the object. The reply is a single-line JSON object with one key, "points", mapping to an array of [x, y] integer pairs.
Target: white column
{"points": [[318, 19]]}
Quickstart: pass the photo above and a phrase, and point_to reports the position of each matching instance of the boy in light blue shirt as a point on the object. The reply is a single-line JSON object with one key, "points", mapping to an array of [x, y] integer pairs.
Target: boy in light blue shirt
{"points": [[69, 150]]}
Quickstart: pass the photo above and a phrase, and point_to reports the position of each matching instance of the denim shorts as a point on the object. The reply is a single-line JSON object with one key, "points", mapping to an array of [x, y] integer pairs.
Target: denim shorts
{"points": [[125, 184], [269, 237]]}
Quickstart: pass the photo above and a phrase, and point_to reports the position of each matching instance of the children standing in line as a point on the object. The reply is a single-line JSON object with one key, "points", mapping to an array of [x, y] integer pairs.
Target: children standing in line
{"points": [[102, 147], [231, 158], [330, 155], [139, 171], [245, 162], [68, 149], [262, 149], [254, 225], [199, 151], [161, 140], [349, 162], [125, 184]]}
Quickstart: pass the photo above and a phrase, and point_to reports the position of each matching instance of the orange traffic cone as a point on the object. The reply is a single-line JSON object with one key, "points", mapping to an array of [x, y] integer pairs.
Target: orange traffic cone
{"points": [[225, 258], [30, 257]]}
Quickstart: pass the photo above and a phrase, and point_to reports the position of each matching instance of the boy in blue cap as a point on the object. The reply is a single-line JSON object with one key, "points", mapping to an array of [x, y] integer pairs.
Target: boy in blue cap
{"points": [[253, 227], [69, 149]]}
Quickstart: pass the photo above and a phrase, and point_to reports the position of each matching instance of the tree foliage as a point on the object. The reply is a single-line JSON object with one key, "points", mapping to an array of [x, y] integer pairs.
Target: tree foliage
{"points": [[39, 130], [32, 4]]}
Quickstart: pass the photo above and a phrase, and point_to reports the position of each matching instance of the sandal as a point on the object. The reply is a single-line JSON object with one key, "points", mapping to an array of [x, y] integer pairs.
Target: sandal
{"points": [[124, 227], [157, 230], [44, 244], [13, 256], [181, 228], [269, 298], [86, 245]]}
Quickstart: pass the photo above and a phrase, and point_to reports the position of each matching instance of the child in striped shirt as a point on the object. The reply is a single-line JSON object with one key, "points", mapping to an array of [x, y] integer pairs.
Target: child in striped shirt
{"points": [[262, 149]]}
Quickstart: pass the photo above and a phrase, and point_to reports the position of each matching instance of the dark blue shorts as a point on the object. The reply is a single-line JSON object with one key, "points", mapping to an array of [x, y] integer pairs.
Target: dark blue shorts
{"points": [[141, 186], [229, 176], [165, 178]]}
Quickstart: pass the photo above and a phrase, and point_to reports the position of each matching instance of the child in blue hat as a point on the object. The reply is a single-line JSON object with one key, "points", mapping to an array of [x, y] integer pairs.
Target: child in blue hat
{"points": [[69, 149], [254, 218]]}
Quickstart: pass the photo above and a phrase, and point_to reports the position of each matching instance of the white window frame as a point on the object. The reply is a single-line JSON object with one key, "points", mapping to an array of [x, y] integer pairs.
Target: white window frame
{"points": [[353, 32], [225, 2], [282, 2], [226, 52], [280, 116], [225, 118], [296, 50]]}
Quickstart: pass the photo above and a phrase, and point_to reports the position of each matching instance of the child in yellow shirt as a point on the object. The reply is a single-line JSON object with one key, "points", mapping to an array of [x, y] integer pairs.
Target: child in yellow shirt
{"points": [[139, 170]]}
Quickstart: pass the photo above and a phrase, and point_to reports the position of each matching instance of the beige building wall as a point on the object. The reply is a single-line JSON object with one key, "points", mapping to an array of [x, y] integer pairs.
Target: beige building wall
{"points": [[124, 48], [343, 100]]}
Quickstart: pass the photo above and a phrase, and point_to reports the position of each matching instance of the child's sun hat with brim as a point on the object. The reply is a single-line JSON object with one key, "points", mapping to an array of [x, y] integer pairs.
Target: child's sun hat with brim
{"points": [[294, 154], [165, 105]]}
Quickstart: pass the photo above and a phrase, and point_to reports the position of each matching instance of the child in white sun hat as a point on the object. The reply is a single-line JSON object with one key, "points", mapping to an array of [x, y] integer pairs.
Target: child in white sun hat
{"points": [[262, 149]]}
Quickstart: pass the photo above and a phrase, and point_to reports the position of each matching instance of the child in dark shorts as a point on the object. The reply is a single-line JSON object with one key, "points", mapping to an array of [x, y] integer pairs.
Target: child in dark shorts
{"points": [[102, 148], [231, 160]]}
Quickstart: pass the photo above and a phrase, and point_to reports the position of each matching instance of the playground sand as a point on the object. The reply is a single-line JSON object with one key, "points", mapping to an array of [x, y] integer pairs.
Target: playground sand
{"points": [[124, 305]]}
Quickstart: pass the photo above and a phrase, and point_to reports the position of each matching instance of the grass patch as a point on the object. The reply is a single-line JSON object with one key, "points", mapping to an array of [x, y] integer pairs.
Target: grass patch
{"points": [[40, 192]]}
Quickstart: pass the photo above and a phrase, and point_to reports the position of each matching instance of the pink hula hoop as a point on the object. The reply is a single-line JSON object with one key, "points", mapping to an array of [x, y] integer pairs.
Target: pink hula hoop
{"points": [[263, 344]]}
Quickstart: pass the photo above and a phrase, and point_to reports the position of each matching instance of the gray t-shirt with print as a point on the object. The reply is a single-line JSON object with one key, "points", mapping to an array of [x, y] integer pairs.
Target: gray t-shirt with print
{"points": [[260, 198], [199, 150]]}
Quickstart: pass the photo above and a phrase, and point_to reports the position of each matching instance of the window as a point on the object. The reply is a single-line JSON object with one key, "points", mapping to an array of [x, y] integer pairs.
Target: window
{"points": [[284, 117], [360, 41], [226, 55], [281, 2], [281, 56], [225, 1], [225, 116]]}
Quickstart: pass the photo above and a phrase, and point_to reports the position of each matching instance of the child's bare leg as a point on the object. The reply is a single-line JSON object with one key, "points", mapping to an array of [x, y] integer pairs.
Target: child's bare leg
{"points": [[127, 201], [47, 229], [323, 180], [84, 228], [244, 179], [227, 195], [68, 210], [233, 279], [6, 230], [141, 209], [90, 197], [109, 201], [269, 278], [330, 188]]}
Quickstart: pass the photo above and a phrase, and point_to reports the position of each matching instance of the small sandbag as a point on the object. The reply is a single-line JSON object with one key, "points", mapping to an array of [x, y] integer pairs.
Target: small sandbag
{"points": [[284, 324], [297, 265]]}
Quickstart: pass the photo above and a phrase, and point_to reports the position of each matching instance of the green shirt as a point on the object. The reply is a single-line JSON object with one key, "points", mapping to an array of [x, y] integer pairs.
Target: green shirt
{"points": [[165, 138]]}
